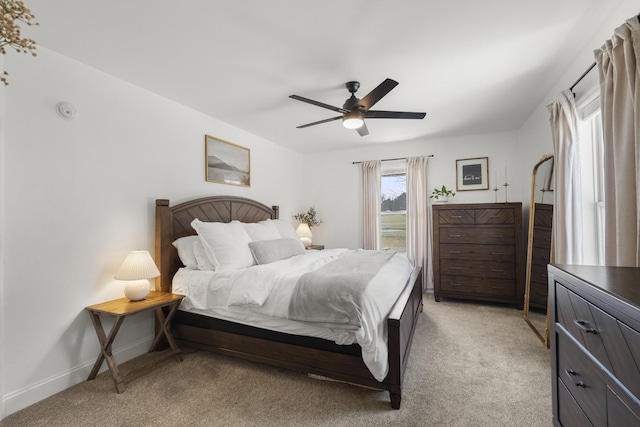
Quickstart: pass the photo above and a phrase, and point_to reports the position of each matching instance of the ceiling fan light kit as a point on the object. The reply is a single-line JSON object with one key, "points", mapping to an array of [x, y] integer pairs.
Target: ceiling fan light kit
{"points": [[355, 110], [352, 120]]}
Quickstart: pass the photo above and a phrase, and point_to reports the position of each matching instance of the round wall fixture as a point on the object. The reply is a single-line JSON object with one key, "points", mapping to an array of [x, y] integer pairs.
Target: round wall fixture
{"points": [[66, 110]]}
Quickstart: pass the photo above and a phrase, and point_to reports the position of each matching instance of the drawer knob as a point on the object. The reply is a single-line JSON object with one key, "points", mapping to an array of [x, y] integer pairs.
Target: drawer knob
{"points": [[583, 325], [454, 235], [497, 270], [456, 216], [496, 236], [494, 216], [497, 253], [455, 268], [454, 252], [571, 373]]}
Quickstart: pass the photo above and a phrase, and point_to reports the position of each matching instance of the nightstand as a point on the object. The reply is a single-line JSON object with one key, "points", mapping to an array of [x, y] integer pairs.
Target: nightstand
{"points": [[121, 308], [316, 247]]}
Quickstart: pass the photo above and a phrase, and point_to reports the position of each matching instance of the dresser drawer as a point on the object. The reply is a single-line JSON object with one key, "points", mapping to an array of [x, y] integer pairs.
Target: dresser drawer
{"points": [[484, 235], [502, 253], [498, 270], [539, 275], [478, 286], [580, 376], [456, 216], [541, 257], [538, 294], [570, 414], [597, 331], [544, 215], [541, 238], [494, 216], [622, 411]]}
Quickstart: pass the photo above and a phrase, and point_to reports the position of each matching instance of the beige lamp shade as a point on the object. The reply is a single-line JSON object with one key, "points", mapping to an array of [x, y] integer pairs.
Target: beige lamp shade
{"points": [[137, 267], [304, 232]]}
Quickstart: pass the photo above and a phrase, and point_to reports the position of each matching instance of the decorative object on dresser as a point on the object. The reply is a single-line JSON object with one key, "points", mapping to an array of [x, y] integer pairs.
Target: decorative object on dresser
{"points": [[226, 162], [138, 267], [539, 246], [595, 345], [472, 174], [477, 252], [441, 195], [292, 351]]}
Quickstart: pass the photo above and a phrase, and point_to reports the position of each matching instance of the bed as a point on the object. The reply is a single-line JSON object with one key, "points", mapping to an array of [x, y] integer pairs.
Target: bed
{"points": [[306, 354]]}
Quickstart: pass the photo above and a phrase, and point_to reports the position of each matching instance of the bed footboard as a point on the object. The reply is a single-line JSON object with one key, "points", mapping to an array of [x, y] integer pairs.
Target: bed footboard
{"points": [[401, 325]]}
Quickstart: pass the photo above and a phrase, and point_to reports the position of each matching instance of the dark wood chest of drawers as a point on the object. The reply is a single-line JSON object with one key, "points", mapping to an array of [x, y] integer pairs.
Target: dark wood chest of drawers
{"points": [[595, 345], [478, 252], [541, 255]]}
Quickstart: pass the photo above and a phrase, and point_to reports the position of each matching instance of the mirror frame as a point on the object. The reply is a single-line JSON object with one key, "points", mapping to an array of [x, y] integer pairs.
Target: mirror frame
{"points": [[527, 286]]}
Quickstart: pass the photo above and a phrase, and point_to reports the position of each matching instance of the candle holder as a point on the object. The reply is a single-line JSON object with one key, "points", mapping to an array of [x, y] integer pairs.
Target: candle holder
{"points": [[506, 191], [495, 194]]}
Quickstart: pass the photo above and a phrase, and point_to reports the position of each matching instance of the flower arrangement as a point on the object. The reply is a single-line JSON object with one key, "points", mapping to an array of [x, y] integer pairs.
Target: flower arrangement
{"points": [[309, 218], [441, 192], [12, 12]]}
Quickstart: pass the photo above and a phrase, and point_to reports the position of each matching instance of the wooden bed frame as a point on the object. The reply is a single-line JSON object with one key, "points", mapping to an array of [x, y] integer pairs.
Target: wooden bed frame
{"points": [[305, 354]]}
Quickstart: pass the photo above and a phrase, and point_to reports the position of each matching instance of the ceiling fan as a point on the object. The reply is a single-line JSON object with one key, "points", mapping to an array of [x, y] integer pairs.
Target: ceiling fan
{"points": [[355, 110]]}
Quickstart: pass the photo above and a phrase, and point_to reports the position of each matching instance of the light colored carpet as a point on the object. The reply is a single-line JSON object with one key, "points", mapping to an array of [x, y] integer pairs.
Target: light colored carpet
{"points": [[471, 364]]}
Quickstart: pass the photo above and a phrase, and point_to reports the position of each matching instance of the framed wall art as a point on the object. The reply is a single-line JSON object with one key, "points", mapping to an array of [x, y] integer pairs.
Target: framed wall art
{"points": [[471, 174], [226, 162]]}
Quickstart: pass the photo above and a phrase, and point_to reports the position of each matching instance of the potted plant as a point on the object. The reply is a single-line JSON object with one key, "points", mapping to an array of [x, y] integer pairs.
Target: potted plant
{"points": [[307, 221], [441, 195]]}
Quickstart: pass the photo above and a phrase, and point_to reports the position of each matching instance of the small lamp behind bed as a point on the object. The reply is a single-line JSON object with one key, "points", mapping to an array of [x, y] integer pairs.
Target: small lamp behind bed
{"points": [[136, 269], [304, 232]]}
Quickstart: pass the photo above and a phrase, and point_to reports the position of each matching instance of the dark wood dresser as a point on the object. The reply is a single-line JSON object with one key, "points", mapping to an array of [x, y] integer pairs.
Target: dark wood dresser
{"points": [[595, 345], [541, 255], [477, 252]]}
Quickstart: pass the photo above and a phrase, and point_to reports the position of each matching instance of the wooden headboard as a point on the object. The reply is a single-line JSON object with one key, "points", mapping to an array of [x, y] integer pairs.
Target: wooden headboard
{"points": [[173, 222]]}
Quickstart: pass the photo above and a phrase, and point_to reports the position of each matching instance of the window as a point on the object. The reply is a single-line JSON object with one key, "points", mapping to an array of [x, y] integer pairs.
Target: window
{"points": [[592, 165], [393, 212]]}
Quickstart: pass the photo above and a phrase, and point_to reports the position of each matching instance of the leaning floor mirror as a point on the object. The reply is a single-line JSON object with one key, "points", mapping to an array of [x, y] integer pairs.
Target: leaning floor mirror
{"points": [[539, 249]]}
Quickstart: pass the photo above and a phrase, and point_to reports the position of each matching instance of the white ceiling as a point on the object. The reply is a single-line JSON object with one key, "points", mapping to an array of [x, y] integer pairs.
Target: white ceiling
{"points": [[474, 66]]}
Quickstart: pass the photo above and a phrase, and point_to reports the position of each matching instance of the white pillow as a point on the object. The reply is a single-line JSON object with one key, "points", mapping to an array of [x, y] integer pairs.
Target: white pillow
{"points": [[263, 230], [226, 244], [201, 256], [268, 251], [184, 245], [286, 230]]}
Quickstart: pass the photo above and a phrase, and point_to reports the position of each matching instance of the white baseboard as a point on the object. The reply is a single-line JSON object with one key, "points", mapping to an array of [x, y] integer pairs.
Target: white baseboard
{"points": [[26, 396]]}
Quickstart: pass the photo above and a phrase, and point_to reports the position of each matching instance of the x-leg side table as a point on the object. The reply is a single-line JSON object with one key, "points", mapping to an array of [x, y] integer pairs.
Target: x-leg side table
{"points": [[121, 308]]}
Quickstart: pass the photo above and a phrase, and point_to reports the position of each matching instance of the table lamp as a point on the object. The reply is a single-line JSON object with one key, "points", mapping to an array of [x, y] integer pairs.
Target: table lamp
{"points": [[136, 269], [304, 232]]}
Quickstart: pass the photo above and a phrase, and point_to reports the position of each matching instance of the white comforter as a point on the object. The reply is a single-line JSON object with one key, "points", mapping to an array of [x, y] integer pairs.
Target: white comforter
{"points": [[260, 296]]}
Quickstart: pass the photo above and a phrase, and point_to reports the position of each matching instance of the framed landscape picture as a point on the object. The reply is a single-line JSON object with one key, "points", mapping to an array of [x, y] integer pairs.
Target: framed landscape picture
{"points": [[226, 162], [471, 174]]}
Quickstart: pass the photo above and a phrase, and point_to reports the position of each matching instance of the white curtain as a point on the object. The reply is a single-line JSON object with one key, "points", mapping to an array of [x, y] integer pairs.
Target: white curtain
{"points": [[620, 101], [567, 212], [371, 204], [418, 241]]}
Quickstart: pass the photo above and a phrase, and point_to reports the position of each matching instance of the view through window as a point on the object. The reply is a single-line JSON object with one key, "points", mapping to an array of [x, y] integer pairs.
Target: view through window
{"points": [[393, 220]]}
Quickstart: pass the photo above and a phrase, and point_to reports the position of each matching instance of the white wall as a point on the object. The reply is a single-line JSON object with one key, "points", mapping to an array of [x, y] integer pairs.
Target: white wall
{"points": [[80, 194], [333, 186]]}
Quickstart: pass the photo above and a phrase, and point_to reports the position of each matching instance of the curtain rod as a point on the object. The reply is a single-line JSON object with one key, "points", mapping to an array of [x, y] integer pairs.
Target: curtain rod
{"points": [[589, 69], [582, 77], [388, 160]]}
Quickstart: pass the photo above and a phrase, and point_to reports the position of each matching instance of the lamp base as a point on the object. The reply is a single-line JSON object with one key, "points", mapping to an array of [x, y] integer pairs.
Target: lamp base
{"points": [[137, 290]]}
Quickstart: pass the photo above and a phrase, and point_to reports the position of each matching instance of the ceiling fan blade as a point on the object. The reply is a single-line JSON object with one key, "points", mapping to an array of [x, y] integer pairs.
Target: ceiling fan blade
{"points": [[319, 123], [362, 130], [393, 115], [319, 104], [377, 94]]}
